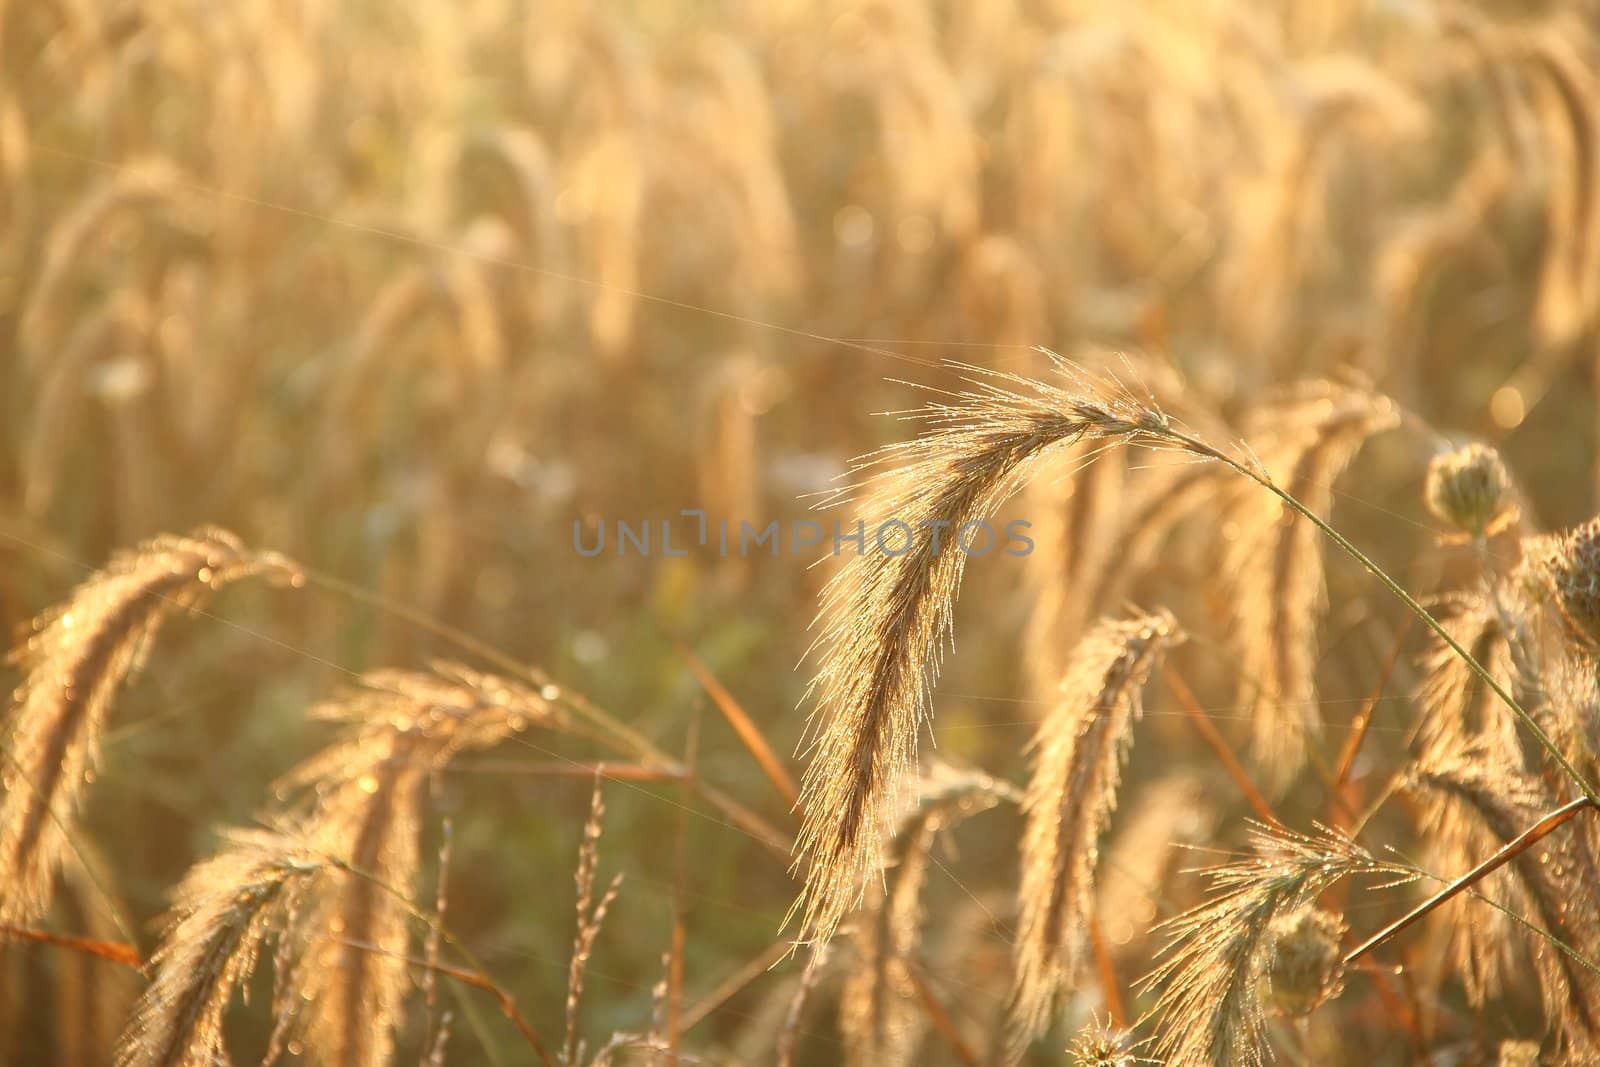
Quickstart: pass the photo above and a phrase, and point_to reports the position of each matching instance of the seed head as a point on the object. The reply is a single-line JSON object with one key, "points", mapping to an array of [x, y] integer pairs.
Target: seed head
{"points": [[1100, 1045], [1568, 566], [1468, 487], [1307, 966]]}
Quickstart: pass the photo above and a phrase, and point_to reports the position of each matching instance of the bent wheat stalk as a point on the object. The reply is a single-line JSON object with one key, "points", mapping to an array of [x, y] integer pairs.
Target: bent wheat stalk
{"points": [[1275, 566], [885, 617], [227, 907], [1078, 753], [76, 658], [1180, 439]]}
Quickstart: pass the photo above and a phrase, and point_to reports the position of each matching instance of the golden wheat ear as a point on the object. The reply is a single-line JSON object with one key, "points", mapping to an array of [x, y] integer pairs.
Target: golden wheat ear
{"points": [[227, 908], [1487, 951], [350, 971], [886, 615], [1565, 89], [76, 657], [1077, 766], [344, 935], [1275, 563], [1456, 711]]}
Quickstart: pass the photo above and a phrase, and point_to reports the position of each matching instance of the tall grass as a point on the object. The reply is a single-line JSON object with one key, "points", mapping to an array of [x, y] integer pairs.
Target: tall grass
{"points": [[408, 293]]}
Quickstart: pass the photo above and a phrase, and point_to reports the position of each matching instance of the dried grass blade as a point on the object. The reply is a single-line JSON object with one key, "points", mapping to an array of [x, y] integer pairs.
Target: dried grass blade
{"points": [[115, 951], [749, 733]]}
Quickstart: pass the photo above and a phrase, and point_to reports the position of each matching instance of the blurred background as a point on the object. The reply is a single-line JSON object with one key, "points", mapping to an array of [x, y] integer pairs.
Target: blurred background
{"points": [[407, 289]]}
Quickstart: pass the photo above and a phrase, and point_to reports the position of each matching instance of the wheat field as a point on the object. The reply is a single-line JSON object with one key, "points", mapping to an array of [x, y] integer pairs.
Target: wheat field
{"points": [[807, 532]]}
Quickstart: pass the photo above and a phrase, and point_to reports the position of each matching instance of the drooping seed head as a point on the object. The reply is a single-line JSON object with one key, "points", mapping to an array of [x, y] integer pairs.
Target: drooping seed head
{"points": [[1469, 488], [1078, 754], [1307, 967]]}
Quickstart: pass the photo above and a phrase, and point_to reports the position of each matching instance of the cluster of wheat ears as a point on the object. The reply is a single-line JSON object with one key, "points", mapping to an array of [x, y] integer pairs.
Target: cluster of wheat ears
{"points": [[399, 290], [1502, 773]]}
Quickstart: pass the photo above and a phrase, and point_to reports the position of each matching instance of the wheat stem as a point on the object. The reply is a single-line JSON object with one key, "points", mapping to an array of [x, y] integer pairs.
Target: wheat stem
{"points": [[115, 951], [939, 1016], [734, 984], [749, 734], [1219, 747], [474, 978], [1110, 990], [1363, 720]]}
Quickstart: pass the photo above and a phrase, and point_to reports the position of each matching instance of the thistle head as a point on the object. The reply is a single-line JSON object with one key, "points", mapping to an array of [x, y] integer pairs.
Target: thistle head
{"points": [[1307, 966], [1468, 487], [1568, 567]]}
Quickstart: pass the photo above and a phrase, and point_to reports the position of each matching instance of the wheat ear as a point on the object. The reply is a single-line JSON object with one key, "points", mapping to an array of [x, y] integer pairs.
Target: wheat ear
{"points": [[1077, 758], [342, 959], [370, 787], [76, 658], [1559, 877], [227, 906], [1276, 566], [1485, 949], [885, 617], [1209, 985]]}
